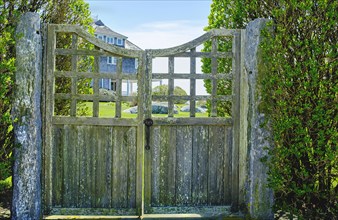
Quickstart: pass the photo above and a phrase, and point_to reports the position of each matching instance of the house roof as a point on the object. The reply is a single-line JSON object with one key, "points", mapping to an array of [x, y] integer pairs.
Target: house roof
{"points": [[130, 45], [101, 28]]}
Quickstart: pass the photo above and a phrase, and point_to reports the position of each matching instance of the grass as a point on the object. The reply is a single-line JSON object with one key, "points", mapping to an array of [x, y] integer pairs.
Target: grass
{"points": [[107, 110]]}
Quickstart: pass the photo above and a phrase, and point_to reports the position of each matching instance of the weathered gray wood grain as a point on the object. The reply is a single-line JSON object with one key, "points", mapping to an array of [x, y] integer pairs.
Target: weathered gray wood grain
{"points": [[171, 69], [228, 147], [97, 42], [236, 68], [192, 84], [70, 167], [167, 166], [216, 165], [190, 162], [184, 165], [200, 155], [95, 75], [57, 170], [85, 167], [74, 79], [118, 88], [120, 169], [104, 167], [183, 76], [154, 160], [131, 146]]}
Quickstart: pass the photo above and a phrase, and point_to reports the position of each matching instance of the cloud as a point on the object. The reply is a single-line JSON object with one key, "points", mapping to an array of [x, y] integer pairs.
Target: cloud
{"points": [[164, 34]]}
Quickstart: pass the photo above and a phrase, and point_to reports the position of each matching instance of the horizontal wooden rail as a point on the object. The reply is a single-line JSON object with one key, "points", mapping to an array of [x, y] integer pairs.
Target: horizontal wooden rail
{"points": [[64, 120], [190, 76], [95, 75]]}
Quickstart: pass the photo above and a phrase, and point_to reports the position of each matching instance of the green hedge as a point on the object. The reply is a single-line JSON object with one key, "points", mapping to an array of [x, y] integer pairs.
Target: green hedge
{"points": [[299, 96], [64, 11]]}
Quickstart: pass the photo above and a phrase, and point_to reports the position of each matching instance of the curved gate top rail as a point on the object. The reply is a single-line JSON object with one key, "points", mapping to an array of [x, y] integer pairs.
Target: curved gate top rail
{"points": [[180, 50], [136, 53], [63, 28]]}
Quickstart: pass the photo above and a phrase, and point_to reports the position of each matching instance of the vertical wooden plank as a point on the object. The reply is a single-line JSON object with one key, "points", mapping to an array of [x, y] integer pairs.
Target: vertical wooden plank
{"points": [[120, 169], [145, 112], [73, 99], [92, 158], [48, 134], [171, 64], [84, 155], [167, 171], [155, 143], [192, 84], [70, 166], [200, 163], [118, 87], [216, 165], [57, 171], [96, 87], [140, 186], [243, 151], [131, 157], [184, 165], [74, 79], [214, 80], [103, 170], [171, 178], [236, 47], [227, 165]]}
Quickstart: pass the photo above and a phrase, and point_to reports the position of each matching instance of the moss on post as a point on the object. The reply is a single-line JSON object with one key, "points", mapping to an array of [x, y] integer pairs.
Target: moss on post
{"points": [[27, 116], [259, 197]]}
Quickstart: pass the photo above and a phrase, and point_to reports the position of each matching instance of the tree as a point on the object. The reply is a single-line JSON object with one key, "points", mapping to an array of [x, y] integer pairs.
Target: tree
{"points": [[64, 11], [217, 19], [299, 95], [164, 91]]}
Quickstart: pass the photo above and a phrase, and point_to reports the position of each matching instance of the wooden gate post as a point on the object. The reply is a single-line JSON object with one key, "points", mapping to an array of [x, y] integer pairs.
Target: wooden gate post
{"points": [[258, 196], [26, 114]]}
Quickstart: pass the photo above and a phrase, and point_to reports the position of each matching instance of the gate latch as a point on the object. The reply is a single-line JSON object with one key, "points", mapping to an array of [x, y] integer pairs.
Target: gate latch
{"points": [[148, 123]]}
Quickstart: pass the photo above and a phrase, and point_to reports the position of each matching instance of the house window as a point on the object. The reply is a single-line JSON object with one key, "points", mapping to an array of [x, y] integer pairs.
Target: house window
{"points": [[111, 60], [113, 85], [119, 42], [136, 63], [111, 40], [100, 37]]}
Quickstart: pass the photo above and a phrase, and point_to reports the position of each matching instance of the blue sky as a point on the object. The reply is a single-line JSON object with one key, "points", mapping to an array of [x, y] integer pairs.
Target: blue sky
{"points": [[156, 24]]}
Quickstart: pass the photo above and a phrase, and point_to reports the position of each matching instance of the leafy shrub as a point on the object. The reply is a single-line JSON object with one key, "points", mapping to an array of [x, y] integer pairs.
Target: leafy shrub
{"points": [[299, 96], [65, 11], [163, 90]]}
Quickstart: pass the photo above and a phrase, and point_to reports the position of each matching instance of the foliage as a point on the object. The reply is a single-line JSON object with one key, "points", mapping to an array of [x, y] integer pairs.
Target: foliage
{"points": [[70, 12], [65, 11], [6, 184], [299, 95], [164, 90], [219, 19]]}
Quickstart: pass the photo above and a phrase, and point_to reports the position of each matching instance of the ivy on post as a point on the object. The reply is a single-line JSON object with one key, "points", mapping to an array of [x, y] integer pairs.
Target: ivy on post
{"points": [[26, 114]]}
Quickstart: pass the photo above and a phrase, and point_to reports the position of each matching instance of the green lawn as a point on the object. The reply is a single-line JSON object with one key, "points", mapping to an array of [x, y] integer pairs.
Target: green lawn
{"points": [[107, 109]]}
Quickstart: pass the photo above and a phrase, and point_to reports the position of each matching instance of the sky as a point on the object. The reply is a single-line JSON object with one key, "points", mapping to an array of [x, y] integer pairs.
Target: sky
{"points": [[155, 24]]}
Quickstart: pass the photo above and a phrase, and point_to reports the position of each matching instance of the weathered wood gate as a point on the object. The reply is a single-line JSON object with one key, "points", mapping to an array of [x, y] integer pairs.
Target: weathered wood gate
{"points": [[114, 166]]}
